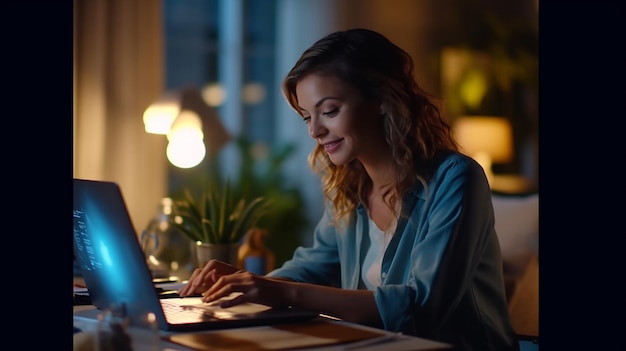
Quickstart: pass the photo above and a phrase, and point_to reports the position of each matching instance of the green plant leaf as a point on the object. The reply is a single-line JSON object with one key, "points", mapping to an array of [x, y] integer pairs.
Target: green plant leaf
{"points": [[223, 209], [222, 215], [248, 218], [209, 219]]}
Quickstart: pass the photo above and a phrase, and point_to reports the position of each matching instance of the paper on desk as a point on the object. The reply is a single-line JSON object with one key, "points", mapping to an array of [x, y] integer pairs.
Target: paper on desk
{"points": [[277, 337], [261, 338], [80, 290]]}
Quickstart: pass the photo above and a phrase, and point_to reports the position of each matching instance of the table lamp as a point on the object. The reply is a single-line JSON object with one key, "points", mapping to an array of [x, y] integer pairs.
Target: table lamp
{"points": [[487, 139], [193, 128]]}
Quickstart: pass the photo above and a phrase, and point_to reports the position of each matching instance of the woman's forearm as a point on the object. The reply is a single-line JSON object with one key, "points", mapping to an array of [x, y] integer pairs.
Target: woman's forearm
{"points": [[356, 306]]}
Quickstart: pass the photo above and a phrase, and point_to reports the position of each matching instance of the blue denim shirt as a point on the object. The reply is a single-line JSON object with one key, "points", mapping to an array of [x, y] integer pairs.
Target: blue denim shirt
{"points": [[442, 271]]}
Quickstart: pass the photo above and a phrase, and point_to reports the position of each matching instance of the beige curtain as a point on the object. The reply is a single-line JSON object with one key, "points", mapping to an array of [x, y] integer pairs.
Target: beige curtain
{"points": [[118, 72]]}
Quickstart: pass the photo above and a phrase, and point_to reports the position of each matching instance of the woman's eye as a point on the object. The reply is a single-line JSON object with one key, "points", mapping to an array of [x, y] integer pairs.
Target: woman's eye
{"points": [[306, 119], [331, 113]]}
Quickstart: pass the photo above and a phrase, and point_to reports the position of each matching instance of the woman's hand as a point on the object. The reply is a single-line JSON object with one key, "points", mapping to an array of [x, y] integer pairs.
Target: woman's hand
{"points": [[203, 278], [218, 279], [254, 288]]}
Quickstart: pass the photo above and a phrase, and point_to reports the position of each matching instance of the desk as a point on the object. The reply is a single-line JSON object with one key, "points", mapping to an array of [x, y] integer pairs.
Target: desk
{"points": [[84, 319]]}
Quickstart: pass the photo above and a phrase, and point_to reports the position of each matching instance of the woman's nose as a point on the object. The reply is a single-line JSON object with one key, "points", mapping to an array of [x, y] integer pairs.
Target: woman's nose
{"points": [[316, 129]]}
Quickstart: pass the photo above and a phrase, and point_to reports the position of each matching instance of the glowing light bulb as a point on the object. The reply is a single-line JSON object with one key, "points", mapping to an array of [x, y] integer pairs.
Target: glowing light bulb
{"points": [[185, 152]]}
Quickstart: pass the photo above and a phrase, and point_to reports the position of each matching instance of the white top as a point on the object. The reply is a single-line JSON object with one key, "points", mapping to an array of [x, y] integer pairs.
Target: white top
{"points": [[370, 271]]}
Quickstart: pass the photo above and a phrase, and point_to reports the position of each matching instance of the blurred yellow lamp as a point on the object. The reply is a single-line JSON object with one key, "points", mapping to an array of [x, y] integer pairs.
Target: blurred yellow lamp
{"points": [[192, 127], [159, 116], [487, 139], [186, 125], [185, 148]]}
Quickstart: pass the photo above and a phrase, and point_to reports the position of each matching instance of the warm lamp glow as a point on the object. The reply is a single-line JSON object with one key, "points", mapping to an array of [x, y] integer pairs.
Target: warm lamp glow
{"points": [[487, 139], [187, 124], [214, 94], [186, 141], [185, 152], [193, 127], [159, 116], [473, 88], [253, 93]]}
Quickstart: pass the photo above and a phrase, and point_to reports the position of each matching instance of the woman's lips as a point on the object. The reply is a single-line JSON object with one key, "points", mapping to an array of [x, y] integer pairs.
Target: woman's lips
{"points": [[332, 146]]}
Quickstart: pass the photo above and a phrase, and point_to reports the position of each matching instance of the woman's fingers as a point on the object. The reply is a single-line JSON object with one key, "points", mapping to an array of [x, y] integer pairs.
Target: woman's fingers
{"points": [[187, 288], [220, 267], [253, 288], [200, 281], [203, 278], [239, 282]]}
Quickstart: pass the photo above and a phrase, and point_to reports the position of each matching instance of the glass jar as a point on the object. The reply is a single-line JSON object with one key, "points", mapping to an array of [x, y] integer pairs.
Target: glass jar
{"points": [[168, 251]]}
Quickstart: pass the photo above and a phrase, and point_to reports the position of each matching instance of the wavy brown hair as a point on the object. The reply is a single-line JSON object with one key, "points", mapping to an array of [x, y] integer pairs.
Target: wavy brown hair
{"points": [[414, 126]]}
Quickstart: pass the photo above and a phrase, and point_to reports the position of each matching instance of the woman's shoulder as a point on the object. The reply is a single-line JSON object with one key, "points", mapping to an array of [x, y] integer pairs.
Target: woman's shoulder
{"points": [[452, 171], [454, 159], [454, 166]]}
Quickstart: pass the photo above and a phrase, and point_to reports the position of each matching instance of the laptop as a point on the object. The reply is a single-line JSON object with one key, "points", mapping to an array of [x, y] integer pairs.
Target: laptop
{"points": [[115, 271]]}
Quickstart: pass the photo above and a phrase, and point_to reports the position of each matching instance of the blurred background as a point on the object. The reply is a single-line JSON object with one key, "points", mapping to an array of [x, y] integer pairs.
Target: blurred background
{"points": [[225, 59]]}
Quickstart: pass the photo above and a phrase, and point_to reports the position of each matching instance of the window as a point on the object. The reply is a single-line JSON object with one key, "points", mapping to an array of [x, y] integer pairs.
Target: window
{"points": [[193, 31]]}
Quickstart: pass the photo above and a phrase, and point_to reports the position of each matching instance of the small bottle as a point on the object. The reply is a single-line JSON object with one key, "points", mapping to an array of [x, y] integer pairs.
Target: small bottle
{"points": [[254, 256]]}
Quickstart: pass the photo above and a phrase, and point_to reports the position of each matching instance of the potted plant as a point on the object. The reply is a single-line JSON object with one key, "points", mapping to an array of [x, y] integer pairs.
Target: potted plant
{"points": [[260, 175], [216, 221]]}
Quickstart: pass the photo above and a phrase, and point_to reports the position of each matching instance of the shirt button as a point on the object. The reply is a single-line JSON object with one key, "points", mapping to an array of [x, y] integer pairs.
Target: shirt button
{"points": [[384, 275]]}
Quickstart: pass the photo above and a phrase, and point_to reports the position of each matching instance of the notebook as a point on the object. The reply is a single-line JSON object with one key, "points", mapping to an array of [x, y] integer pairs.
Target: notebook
{"points": [[114, 268]]}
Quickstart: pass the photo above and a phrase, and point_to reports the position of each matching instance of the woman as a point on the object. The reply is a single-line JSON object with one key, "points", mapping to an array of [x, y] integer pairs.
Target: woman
{"points": [[407, 240]]}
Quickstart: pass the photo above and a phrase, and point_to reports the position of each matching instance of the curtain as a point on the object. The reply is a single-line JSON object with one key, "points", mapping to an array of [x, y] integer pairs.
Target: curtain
{"points": [[118, 71]]}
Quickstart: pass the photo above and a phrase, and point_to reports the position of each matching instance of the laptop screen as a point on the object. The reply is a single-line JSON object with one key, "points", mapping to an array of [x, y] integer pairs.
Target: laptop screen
{"points": [[107, 250]]}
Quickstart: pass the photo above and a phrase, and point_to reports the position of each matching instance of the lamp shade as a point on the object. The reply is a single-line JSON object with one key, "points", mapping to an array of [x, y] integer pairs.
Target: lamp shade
{"points": [[485, 135], [187, 125], [159, 116]]}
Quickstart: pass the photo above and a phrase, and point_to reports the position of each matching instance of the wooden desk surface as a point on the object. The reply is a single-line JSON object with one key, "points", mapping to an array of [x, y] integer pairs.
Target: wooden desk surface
{"points": [[85, 319]]}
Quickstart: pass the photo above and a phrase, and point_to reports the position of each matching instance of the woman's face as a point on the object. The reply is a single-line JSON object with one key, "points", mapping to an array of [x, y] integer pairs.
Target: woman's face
{"points": [[339, 119]]}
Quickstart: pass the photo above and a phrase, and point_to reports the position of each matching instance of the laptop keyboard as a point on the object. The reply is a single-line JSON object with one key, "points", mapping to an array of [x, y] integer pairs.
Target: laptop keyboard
{"points": [[176, 313]]}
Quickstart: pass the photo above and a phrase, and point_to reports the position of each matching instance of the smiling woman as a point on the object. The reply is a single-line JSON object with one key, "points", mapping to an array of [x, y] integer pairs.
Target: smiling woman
{"points": [[407, 239]]}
